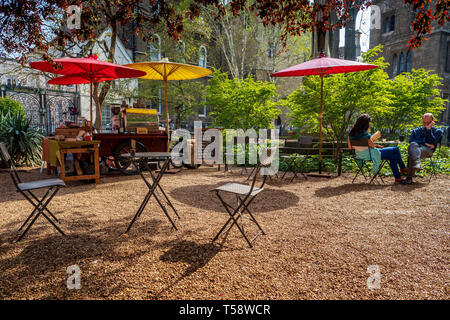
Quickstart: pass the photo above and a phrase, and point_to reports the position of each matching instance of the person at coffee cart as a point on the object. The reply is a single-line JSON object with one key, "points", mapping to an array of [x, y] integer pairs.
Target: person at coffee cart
{"points": [[360, 130], [422, 143]]}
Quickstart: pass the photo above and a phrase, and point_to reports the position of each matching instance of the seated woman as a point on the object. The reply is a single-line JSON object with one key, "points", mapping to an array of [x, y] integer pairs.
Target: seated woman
{"points": [[361, 130]]}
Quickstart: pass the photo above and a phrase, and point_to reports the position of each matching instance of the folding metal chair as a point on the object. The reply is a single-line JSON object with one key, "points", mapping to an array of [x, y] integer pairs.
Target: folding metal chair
{"points": [[434, 159], [26, 188], [245, 195], [363, 164]]}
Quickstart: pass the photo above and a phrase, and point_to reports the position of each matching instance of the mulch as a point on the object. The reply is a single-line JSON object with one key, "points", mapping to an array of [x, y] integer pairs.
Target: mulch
{"points": [[321, 237]]}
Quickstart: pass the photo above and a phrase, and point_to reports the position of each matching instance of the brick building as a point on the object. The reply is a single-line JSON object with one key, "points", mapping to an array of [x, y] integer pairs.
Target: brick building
{"points": [[393, 31]]}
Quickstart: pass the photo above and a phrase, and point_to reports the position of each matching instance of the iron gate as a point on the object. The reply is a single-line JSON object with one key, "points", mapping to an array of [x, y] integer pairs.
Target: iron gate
{"points": [[44, 107]]}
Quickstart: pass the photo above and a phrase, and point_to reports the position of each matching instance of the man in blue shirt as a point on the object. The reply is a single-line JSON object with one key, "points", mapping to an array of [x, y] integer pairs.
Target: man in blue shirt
{"points": [[422, 143]]}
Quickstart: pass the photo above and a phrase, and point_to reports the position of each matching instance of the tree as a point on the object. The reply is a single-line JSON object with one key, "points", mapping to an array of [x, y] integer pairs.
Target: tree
{"points": [[236, 38], [241, 104], [344, 96], [393, 104], [45, 27], [300, 16], [411, 95], [35, 18], [184, 97]]}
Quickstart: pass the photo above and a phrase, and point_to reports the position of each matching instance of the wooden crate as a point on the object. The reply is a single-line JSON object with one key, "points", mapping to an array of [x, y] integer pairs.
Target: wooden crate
{"points": [[70, 132]]}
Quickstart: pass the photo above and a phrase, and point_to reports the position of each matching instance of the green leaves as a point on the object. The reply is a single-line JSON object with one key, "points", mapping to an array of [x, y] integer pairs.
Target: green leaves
{"points": [[22, 140], [9, 105], [396, 104], [241, 104]]}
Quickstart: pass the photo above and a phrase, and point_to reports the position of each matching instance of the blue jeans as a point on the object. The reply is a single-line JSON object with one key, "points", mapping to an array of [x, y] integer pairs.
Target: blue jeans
{"points": [[395, 159]]}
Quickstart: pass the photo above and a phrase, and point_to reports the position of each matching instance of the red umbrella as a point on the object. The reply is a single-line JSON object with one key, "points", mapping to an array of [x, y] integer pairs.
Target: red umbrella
{"points": [[322, 66], [85, 70]]}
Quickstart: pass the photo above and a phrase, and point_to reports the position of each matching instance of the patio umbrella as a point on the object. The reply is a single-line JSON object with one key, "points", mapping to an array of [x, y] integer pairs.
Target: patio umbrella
{"points": [[322, 66], [85, 70], [167, 71]]}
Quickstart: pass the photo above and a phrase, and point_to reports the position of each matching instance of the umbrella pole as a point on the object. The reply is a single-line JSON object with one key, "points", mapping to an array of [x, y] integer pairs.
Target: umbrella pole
{"points": [[90, 100], [167, 113], [99, 109], [320, 120]]}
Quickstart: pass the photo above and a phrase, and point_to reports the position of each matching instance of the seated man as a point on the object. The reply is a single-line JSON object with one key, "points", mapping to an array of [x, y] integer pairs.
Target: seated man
{"points": [[422, 143]]}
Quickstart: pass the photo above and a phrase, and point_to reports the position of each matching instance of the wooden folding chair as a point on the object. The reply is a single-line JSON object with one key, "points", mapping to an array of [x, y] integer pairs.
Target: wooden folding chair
{"points": [[26, 188], [363, 164], [245, 195]]}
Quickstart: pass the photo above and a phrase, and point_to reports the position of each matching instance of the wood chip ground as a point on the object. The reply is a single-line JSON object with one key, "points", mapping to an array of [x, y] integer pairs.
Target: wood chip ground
{"points": [[322, 235]]}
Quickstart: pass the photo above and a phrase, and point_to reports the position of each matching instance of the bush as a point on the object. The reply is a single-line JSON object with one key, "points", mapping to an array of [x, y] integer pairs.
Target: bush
{"points": [[8, 105], [349, 165], [24, 142]]}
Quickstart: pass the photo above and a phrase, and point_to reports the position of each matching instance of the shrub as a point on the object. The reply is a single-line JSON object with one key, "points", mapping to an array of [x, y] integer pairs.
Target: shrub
{"points": [[8, 105], [23, 141], [349, 165]]}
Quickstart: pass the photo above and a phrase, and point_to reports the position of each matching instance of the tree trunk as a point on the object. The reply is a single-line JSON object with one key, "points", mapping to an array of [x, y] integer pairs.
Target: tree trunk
{"points": [[111, 51]]}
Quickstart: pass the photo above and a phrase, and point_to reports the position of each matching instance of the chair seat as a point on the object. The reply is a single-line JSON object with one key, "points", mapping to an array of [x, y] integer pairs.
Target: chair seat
{"points": [[238, 188], [41, 184]]}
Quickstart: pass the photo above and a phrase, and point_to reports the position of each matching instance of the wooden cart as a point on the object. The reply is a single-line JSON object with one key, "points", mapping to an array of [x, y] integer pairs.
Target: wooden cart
{"points": [[115, 144]]}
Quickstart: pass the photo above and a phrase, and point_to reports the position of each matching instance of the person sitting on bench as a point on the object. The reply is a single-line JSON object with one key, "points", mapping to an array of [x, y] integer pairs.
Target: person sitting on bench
{"points": [[361, 130]]}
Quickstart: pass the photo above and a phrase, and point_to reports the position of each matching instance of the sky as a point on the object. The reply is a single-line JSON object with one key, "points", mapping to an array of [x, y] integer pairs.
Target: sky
{"points": [[362, 24]]}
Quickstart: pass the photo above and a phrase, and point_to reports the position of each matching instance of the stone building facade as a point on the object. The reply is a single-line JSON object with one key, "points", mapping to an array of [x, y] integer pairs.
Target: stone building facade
{"points": [[391, 27]]}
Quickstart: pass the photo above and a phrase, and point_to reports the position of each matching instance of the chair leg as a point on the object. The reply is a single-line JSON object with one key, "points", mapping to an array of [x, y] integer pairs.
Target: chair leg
{"points": [[360, 171], [40, 207], [252, 217], [235, 214], [378, 172]]}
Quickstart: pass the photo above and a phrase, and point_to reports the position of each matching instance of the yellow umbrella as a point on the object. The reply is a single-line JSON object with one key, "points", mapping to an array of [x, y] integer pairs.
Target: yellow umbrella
{"points": [[166, 71]]}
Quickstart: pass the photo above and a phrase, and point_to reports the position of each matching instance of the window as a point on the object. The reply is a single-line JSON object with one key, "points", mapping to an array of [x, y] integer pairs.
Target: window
{"points": [[408, 61], [392, 23], [394, 65], [154, 48], [386, 25], [106, 116], [202, 57], [389, 24], [11, 81], [401, 63]]}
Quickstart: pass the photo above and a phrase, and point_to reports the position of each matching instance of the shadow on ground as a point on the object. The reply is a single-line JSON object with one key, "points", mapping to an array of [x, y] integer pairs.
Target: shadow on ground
{"points": [[333, 191], [202, 197]]}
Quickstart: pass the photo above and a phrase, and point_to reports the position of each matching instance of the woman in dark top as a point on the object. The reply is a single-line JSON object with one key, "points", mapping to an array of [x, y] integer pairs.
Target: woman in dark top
{"points": [[361, 130]]}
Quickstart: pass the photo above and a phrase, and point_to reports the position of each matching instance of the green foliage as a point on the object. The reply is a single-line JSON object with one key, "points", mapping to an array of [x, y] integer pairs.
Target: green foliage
{"points": [[396, 104], [9, 105], [22, 140], [184, 97], [442, 165], [241, 104], [344, 96], [411, 94]]}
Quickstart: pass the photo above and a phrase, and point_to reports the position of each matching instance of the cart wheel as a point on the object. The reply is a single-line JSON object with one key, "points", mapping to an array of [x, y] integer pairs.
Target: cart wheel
{"points": [[123, 164]]}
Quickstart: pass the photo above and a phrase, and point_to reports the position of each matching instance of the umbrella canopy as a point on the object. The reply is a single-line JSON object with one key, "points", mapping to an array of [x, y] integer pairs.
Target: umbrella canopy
{"points": [[322, 66], [85, 70], [167, 71]]}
